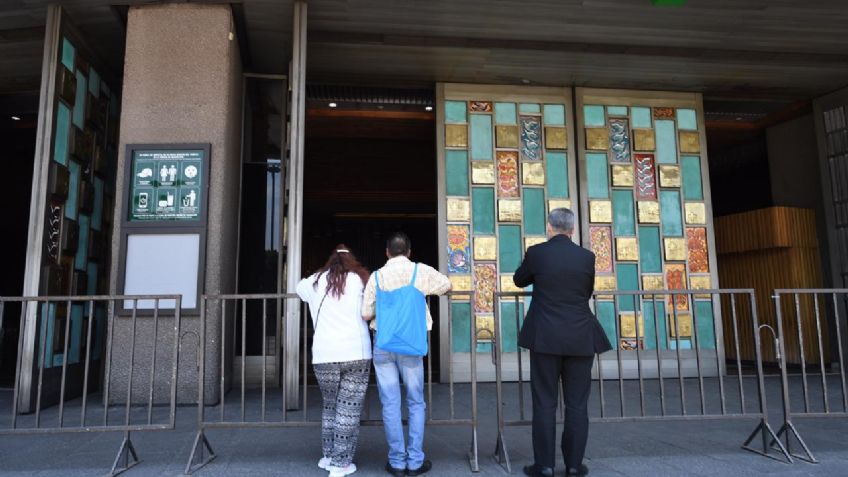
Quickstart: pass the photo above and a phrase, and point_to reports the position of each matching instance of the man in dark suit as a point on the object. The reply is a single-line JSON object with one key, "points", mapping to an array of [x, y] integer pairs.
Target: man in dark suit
{"points": [[563, 336]]}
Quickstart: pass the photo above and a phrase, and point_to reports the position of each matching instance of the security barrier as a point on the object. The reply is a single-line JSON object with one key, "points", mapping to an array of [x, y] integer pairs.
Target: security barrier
{"points": [[269, 407], [61, 350], [823, 392], [668, 370]]}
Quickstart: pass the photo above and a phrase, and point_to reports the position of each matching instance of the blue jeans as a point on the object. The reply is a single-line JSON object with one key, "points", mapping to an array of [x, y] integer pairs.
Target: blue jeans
{"points": [[390, 368]]}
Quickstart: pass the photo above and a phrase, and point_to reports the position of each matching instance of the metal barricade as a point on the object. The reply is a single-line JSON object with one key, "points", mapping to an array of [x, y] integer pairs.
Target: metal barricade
{"points": [[806, 343], [653, 373], [56, 369], [272, 406]]}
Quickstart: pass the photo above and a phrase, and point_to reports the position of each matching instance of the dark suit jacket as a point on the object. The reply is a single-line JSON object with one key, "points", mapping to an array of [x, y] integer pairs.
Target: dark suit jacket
{"points": [[559, 320]]}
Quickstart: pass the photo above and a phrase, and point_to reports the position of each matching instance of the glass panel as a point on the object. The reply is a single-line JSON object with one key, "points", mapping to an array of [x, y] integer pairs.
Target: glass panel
{"points": [[529, 108], [554, 115], [593, 115], [68, 52], [686, 119], [617, 110]]}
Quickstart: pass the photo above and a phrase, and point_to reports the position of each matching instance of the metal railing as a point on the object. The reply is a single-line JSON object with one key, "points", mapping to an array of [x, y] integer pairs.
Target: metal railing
{"points": [[799, 314], [61, 351], [268, 407], [668, 356]]}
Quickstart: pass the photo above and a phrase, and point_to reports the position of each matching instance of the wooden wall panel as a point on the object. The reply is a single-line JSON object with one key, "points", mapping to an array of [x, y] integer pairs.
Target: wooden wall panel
{"points": [[768, 249]]}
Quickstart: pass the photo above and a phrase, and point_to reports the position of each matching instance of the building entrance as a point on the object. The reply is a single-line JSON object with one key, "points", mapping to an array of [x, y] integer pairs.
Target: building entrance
{"points": [[370, 170]]}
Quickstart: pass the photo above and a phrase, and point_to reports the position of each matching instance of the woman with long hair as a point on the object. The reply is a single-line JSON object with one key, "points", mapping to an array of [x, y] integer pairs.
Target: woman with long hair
{"points": [[341, 354]]}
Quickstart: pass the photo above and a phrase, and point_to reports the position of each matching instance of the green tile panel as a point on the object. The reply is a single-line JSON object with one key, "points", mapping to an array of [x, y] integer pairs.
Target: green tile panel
{"points": [[687, 120], [509, 327], [529, 108], [649, 306], [94, 82], [71, 204], [461, 327], [666, 138], [650, 250], [483, 210], [623, 213], [605, 311], [79, 102], [505, 113], [704, 322], [593, 115], [640, 117], [456, 172], [617, 110], [481, 136], [455, 112], [509, 248], [627, 278], [97, 210], [597, 176], [690, 171], [81, 259], [556, 165], [534, 211], [63, 132], [670, 213], [553, 115], [68, 52]]}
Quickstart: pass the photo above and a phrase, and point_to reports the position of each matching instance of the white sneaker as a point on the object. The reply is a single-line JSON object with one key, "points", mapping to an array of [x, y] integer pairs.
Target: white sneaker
{"points": [[324, 463], [342, 471]]}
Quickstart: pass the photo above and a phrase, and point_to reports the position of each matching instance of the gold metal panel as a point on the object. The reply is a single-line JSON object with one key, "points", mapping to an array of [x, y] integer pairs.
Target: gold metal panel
{"points": [[482, 172], [530, 241], [558, 203], [460, 283], [605, 283], [459, 210], [684, 324], [507, 285], [597, 139], [675, 249], [532, 173], [509, 210], [556, 138], [485, 248], [644, 140], [600, 211], [485, 327], [628, 324], [456, 135], [622, 175], [701, 282], [653, 282], [690, 141], [696, 213], [669, 175], [506, 136], [626, 249], [649, 211]]}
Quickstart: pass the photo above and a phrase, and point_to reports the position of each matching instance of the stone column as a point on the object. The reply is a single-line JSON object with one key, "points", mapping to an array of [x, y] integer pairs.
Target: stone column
{"points": [[182, 84]]}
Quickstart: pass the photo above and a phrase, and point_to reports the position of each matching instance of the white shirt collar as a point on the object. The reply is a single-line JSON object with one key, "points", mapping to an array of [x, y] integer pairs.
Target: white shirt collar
{"points": [[398, 259]]}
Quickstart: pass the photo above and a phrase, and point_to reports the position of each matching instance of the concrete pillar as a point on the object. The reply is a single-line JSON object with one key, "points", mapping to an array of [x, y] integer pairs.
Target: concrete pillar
{"points": [[183, 84]]}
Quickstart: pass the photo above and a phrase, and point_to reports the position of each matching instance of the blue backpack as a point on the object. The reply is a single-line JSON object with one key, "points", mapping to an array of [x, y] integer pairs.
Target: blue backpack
{"points": [[402, 319]]}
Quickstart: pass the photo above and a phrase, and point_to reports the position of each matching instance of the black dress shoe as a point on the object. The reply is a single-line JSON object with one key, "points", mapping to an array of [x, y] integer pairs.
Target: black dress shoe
{"points": [[579, 470], [425, 467], [394, 471], [538, 471]]}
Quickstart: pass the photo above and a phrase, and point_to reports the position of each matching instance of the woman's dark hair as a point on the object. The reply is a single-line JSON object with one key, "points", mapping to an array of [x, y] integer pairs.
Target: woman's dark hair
{"points": [[340, 263]]}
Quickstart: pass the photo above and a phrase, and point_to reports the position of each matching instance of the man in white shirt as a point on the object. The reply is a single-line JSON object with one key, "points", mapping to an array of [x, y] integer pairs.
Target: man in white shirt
{"points": [[389, 367]]}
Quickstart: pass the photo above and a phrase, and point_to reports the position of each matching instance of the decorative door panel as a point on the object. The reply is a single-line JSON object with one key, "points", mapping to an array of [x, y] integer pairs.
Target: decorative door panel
{"points": [[645, 183], [506, 158]]}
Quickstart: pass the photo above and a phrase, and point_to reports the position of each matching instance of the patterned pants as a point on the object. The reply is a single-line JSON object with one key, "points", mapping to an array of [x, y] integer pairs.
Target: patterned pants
{"points": [[343, 387]]}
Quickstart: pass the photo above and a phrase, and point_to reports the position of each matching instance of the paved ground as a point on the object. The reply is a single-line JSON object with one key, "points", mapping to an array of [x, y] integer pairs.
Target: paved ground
{"points": [[697, 447]]}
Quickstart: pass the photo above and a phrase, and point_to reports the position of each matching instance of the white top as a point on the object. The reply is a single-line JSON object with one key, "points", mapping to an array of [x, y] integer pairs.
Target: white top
{"points": [[340, 334]]}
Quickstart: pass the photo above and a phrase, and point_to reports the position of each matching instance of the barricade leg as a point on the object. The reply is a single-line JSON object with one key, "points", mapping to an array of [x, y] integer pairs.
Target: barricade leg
{"points": [[201, 451], [126, 458]]}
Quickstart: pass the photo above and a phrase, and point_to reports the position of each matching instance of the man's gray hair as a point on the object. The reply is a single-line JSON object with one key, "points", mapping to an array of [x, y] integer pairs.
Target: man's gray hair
{"points": [[561, 220]]}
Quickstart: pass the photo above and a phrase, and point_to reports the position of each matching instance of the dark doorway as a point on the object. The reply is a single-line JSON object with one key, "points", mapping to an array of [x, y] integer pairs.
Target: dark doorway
{"points": [[370, 170], [18, 125]]}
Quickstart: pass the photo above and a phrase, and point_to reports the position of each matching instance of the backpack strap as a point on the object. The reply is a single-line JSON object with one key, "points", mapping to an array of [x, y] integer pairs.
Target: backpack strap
{"points": [[377, 279], [414, 274]]}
